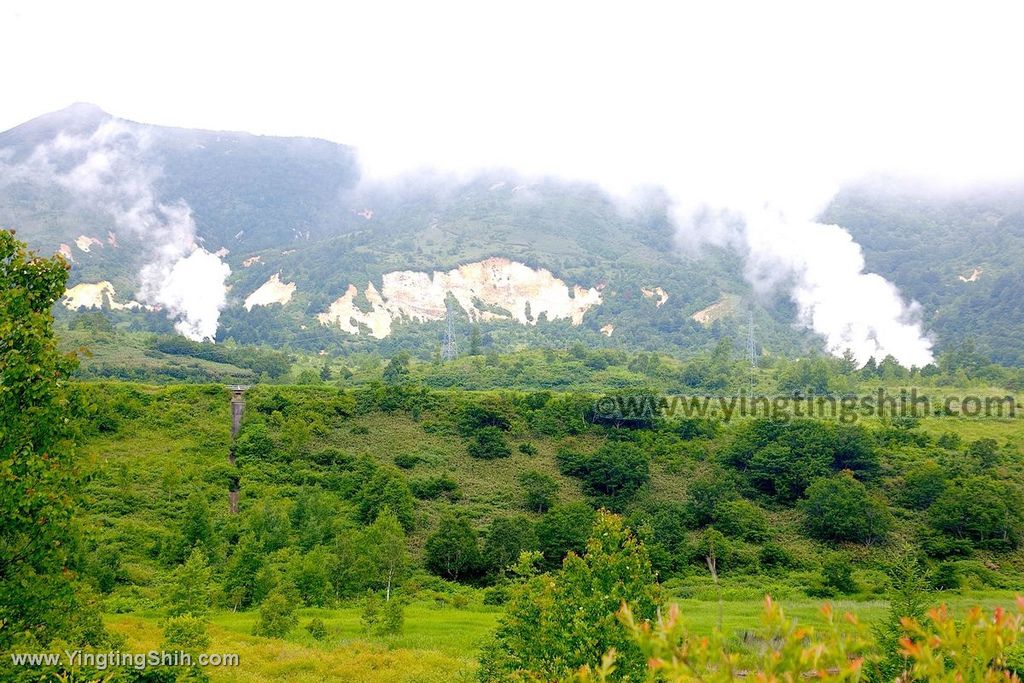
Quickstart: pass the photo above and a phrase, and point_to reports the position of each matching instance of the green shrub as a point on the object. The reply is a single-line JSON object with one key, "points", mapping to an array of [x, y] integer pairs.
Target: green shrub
{"points": [[277, 616], [539, 490], [186, 632], [489, 444], [839, 508], [317, 629], [407, 460]]}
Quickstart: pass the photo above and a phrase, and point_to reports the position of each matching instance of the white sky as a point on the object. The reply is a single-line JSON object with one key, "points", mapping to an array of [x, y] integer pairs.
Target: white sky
{"points": [[714, 95]]}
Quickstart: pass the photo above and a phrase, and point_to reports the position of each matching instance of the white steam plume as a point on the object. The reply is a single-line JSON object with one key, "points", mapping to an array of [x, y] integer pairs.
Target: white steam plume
{"points": [[823, 269], [107, 169]]}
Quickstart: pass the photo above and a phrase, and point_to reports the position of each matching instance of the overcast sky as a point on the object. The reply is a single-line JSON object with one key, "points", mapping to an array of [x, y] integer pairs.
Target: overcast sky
{"points": [[631, 92]]}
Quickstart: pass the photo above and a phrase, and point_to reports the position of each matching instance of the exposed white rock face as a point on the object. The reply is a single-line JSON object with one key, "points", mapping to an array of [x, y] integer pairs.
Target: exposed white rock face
{"points": [[95, 295], [659, 295], [65, 251], [973, 277], [493, 289], [85, 243], [607, 330], [719, 309], [273, 291], [252, 260]]}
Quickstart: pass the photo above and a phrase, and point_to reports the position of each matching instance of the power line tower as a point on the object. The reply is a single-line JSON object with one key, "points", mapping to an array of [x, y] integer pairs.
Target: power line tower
{"points": [[752, 353], [449, 350]]}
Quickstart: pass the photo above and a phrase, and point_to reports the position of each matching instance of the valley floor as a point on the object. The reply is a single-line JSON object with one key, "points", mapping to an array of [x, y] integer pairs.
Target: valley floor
{"points": [[441, 644]]}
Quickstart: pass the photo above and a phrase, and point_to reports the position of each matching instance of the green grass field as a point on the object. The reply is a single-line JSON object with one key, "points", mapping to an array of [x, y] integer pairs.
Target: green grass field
{"points": [[441, 644]]}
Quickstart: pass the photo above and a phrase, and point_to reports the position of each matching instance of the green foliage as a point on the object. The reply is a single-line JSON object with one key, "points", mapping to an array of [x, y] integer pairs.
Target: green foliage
{"points": [[839, 508], [781, 458], [190, 587], [489, 443], [908, 599], [564, 528], [382, 617], [742, 519], [432, 488], [37, 549], [613, 473], [382, 546], [452, 551], [837, 575], [386, 489], [185, 632], [539, 490], [506, 539], [316, 628], [554, 625], [397, 370], [277, 616], [986, 512], [923, 484]]}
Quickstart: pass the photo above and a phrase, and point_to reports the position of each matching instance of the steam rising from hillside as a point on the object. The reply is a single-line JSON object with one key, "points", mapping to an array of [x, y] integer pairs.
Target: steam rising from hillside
{"points": [[105, 169], [822, 268]]}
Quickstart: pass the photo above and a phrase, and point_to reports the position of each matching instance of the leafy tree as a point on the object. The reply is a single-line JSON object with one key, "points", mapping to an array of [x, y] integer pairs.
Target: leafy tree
{"points": [[190, 586], [564, 528], [453, 551], [613, 473], [311, 576], [539, 490], [474, 341], [839, 508], [742, 519], [386, 489], [923, 484], [277, 616], [555, 624], [507, 538], [196, 526], [37, 549], [489, 444], [982, 510], [397, 370], [246, 581], [837, 574], [706, 492], [382, 547]]}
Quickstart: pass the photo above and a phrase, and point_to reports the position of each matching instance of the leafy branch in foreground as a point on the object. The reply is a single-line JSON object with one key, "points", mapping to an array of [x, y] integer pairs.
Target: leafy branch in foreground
{"points": [[977, 648]]}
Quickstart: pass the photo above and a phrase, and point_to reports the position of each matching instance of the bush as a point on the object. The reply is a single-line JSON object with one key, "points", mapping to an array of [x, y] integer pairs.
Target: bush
{"points": [[489, 444], [317, 629], [382, 617], [839, 508], [539, 490], [435, 487], [946, 576], [186, 632], [742, 519], [386, 489], [407, 460], [981, 509], [277, 616], [527, 449], [923, 484], [452, 551], [613, 473], [837, 574]]}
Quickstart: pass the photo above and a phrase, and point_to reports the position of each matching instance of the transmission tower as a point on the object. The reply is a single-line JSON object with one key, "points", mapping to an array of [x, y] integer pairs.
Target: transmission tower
{"points": [[449, 351], [752, 353]]}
